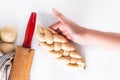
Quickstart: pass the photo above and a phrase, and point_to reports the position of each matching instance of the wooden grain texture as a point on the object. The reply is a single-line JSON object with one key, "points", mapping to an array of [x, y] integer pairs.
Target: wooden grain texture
{"points": [[22, 64]]}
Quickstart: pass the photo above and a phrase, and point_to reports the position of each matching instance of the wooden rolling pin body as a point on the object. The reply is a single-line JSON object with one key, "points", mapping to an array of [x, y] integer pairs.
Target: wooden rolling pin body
{"points": [[22, 64]]}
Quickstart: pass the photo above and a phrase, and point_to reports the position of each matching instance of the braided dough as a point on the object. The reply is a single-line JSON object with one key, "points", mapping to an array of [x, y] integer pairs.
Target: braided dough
{"points": [[59, 47]]}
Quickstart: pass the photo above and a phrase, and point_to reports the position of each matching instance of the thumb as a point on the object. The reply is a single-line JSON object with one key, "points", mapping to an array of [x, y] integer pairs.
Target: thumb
{"points": [[59, 15]]}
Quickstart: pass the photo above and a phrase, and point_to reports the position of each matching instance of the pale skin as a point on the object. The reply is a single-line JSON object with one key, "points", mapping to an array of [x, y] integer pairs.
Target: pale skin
{"points": [[84, 36]]}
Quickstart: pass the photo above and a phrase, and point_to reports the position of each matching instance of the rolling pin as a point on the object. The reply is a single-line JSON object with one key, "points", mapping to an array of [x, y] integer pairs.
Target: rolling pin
{"points": [[24, 55]]}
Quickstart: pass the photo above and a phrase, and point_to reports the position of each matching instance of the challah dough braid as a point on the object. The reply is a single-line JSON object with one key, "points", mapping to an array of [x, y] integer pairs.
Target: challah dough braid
{"points": [[59, 47]]}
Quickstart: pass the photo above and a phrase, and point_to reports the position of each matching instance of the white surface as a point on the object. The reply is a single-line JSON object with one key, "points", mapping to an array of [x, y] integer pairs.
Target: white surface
{"points": [[103, 15]]}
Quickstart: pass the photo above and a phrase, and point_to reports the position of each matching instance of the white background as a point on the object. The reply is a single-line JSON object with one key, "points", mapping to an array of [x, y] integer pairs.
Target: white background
{"points": [[101, 64]]}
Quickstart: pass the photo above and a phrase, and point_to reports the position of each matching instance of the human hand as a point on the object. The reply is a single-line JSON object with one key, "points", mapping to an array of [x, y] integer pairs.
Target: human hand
{"points": [[67, 27], [85, 36]]}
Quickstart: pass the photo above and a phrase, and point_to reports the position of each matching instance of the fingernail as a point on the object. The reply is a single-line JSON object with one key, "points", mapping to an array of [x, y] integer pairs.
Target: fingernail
{"points": [[56, 11], [55, 28]]}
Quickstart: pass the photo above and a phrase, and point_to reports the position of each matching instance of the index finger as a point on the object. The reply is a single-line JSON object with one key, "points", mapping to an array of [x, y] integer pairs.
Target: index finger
{"points": [[56, 25]]}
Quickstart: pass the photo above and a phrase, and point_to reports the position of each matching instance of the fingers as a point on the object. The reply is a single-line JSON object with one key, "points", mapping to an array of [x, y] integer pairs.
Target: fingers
{"points": [[59, 15], [56, 25]]}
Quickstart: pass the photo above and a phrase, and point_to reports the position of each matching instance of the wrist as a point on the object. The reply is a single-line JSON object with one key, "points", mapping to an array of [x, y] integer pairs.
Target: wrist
{"points": [[80, 36], [91, 37], [86, 36]]}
